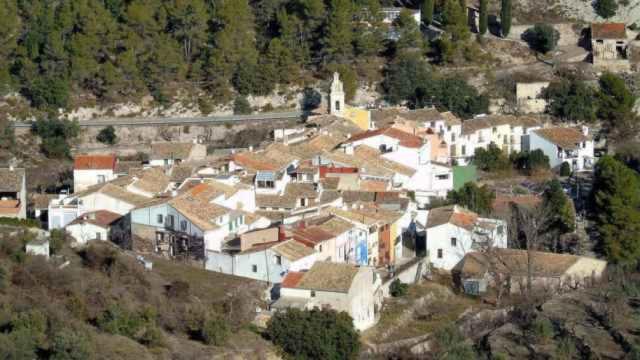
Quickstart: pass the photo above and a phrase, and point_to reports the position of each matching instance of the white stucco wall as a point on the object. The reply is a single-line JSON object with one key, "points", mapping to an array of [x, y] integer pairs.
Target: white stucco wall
{"points": [[83, 232], [82, 179]]}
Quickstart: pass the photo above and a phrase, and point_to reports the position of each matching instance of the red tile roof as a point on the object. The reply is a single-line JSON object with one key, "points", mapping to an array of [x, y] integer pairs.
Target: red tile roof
{"points": [[311, 236], [252, 162], [406, 139], [95, 162], [101, 218], [292, 279], [608, 31]]}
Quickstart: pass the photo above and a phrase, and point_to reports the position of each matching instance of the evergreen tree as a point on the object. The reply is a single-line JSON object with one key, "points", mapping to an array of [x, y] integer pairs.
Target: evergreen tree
{"points": [[409, 34], [339, 35], [427, 11], [606, 8], [505, 17], [188, 24], [475, 198], [617, 199], [454, 19], [107, 135], [484, 16], [560, 207]]}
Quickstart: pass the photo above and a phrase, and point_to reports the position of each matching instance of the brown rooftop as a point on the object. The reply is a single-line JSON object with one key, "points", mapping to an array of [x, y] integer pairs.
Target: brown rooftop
{"points": [[292, 250], [608, 31], [328, 276], [102, 218], [452, 214], [94, 162], [566, 138]]}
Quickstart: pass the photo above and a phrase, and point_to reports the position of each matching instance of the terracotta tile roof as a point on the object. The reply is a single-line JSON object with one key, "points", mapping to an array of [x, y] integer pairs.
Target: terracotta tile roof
{"points": [[288, 200], [102, 218], [328, 276], [385, 117], [292, 279], [119, 193], [514, 261], [11, 180], [94, 162], [406, 139], [368, 215], [608, 31], [152, 180], [454, 215], [565, 137], [253, 162], [292, 250], [373, 185], [311, 236], [169, 150], [372, 158], [9, 206], [485, 122], [200, 213], [180, 173], [335, 226]]}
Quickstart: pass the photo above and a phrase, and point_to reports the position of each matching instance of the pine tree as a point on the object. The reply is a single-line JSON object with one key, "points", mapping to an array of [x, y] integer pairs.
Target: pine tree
{"points": [[427, 11], [454, 20], [617, 198], [339, 34], [484, 16], [505, 17]]}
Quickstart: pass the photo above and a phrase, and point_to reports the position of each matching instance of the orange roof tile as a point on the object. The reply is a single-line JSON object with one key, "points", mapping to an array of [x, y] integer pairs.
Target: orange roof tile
{"points": [[251, 162], [292, 279], [94, 162], [608, 31]]}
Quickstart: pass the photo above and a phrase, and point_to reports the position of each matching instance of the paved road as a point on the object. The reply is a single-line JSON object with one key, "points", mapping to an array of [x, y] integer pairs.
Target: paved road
{"points": [[154, 121]]}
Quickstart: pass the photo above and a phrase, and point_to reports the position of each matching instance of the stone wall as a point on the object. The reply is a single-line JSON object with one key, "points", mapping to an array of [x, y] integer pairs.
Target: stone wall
{"points": [[142, 238]]}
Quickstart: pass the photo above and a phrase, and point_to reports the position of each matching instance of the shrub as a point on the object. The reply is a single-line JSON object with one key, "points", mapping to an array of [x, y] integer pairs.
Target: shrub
{"points": [[241, 106], [318, 334], [70, 345], [491, 159], [178, 290], [55, 134], [542, 329], [311, 99], [530, 161], [214, 331], [605, 8], [450, 344], [473, 197], [398, 288], [107, 135], [20, 222], [565, 169], [57, 238], [152, 337], [542, 37]]}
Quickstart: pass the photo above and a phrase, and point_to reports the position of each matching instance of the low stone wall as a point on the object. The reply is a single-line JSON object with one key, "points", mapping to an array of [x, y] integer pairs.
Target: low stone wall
{"points": [[406, 275]]}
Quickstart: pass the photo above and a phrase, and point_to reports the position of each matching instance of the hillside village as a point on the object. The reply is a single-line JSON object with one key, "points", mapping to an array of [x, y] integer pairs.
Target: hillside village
{"points": [[493, 215]]}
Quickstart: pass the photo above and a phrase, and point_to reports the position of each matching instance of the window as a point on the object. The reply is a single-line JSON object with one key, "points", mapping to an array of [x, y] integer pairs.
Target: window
{"points": [[439, 253], [277, 259], [464, 150], [442, 177], [98, 236], [171, 221], [320, 248], [454, 242], [159, 236], [433, 124], [254, 268], [183, 225], [448, 127], [101, 179], [494, 130], [584, 145], [159, 218], [313, 293], [500, 229]]}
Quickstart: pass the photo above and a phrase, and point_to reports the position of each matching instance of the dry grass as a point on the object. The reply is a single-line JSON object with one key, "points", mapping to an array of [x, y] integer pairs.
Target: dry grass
{"points": [[444, 308]]}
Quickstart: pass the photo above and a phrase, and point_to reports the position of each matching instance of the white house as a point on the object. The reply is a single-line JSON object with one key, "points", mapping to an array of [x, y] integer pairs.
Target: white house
{"points": [[563, 144], [89, 170], [452, 232], [342, 287], [94, 225], [509, 133], [189, 224], [411, 152]]}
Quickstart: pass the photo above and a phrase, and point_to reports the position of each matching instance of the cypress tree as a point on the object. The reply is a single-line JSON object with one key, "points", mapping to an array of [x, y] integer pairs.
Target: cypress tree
{"points": [[505, 17], [427, 11], [484, 17]]}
